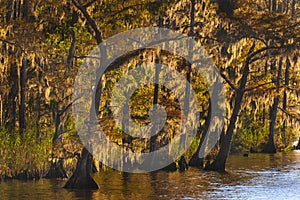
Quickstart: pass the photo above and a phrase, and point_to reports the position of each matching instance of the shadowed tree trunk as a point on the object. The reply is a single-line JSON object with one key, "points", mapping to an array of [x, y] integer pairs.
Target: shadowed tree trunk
{"points": [[274, 5], [270, 147], [26, 9], [298, 145], [182, 162], [196, 160], [10, 11], [220, 161], [126, 140], [293, 7], [286, 83], [12, 98], [22, 110], [1, 110], [57, 170], [81, 178], [156, 93]]}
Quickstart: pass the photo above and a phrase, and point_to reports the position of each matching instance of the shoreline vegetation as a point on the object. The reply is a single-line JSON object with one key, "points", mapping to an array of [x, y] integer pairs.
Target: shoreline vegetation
{"points": [[45, 160]]}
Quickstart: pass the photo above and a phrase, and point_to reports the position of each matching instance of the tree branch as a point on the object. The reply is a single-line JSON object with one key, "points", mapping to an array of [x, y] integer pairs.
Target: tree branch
{"points": [[257, 86], [91, 3], [13, 44], [126, 8], [289, 114], [91, 22], [228, 81]]}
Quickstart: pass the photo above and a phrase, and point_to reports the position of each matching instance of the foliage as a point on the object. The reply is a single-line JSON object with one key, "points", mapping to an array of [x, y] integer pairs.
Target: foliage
{"points": [[28, 156]]}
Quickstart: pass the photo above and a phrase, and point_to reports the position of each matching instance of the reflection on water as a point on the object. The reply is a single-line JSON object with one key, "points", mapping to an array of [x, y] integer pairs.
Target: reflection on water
{"points": [[259, 176]]}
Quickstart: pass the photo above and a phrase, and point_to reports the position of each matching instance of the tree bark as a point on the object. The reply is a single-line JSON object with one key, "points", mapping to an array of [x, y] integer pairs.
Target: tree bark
{"points": [[81, 178], [70, 58], [196, 160], [26, 9], [298, 145], [22, 107], [293, 7], [12, 98], [10, 11], [286, 83], [155, 96], [274, 6], [127, 139], [220, 161], [1, 110], [270, 147], [56, 170], [182, 162]]}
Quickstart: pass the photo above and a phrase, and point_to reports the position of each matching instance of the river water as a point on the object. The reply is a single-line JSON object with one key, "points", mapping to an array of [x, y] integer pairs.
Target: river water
{"points": [[259, 176]]}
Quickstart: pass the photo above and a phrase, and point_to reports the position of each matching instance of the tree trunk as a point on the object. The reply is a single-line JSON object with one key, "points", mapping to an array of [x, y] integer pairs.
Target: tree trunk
{"points": [[182, 162], [22, 109], [81, 178], [274, 6], [10, 11], [155, 94], [12, 98], [26, 9], [1, 110], [286, 83], [57, 170], [298, 145], [196, 160], [38, 103], [293, 7], [57, 122], [127, 139], [220, 161], [270, 147]]}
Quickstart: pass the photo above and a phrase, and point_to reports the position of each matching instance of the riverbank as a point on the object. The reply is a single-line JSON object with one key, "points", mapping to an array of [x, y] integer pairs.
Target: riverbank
{"points": [[259, 176]]}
